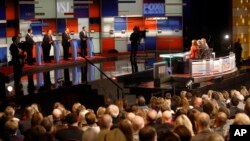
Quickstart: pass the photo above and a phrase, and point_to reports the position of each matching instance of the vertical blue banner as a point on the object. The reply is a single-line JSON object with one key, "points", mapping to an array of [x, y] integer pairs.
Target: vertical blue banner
{"points": [[61, 24], [27, 11], [109, 8], [81, 10], [2, 10], [3, 30]]}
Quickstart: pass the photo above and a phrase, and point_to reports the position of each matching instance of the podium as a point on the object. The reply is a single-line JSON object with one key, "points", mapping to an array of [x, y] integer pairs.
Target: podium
{"points": [[74, 47], [39, 53], [57, 51], [90, 46]]}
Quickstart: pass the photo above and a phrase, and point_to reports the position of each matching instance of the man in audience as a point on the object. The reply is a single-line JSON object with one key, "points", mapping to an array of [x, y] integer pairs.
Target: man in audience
{"points": [[151, 118], [203, 127], [11, 130], [113, 110], [72, 132], [197, 103], [233, 108], [26, 123], [105, 126], [220, 124], [142, 103], [147, 133], [138, 124]]}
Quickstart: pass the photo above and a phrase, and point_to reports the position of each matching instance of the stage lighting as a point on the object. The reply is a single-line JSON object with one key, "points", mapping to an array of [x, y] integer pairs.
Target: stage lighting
{"points": [[92, 31], [10, 89], [226, 37]]}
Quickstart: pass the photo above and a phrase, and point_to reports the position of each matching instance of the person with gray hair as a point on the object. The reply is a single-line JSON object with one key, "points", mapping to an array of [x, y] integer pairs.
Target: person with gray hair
{"points": [[113, 110], [202, 123], [106, 123], [137, 124]]}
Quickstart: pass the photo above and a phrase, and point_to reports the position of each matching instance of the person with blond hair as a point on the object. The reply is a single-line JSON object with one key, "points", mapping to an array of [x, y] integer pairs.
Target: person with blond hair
{"points": [[193, 50]]}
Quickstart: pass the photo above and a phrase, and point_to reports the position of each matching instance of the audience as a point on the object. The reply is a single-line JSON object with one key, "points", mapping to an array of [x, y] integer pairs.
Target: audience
{"points": [[186, 117]]}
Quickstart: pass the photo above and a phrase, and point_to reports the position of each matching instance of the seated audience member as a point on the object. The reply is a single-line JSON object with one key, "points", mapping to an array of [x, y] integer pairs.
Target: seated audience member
{"points": [[247, 107], [167, 117], [184, 120], [203, 127], [214, 137], [241, 119], [26, 123], [151, 118], [105, 126], [169, 136], [115, 135], [244, 91], [113, 110], [126, 127], [72, 132], [183, 132], [138, 124], [192, 114], [90, 135], [220, 124], [91, 120], [11, 129], [130, 116], [147, 133], [142, 103], [233, 108], [197, 103], [48, 125]]}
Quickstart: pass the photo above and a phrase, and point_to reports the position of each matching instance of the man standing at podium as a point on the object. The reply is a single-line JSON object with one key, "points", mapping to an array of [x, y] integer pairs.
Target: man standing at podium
{"points": [[46, 45], [66, 43], [29, 42], [83, 41], [135, 41]]}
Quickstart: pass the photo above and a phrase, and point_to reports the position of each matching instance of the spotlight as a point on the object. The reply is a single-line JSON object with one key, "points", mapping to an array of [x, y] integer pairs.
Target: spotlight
{"points": [[113, 77], [226, 36], [92, 31], [10, 88]]}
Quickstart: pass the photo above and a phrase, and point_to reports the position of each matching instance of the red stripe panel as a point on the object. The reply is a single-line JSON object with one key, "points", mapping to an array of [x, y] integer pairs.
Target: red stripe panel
{"points": [[132, 22], [51, 25], [95, 27], [108, 66], [10, 10], [151, 24], [169, 43], [72, 24], [107, 44], [11, 31], [94, 10]]}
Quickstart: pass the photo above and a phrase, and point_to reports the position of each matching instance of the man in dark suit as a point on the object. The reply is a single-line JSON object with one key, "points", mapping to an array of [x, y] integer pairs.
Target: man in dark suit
{"points": [[135, 41], [17, 61], [73, 132], [83, 41], [29, 43], [46, 45], [66, 43]]}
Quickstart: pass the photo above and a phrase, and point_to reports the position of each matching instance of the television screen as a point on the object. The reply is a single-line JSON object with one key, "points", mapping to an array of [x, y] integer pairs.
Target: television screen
{"points": [[154, 8]]}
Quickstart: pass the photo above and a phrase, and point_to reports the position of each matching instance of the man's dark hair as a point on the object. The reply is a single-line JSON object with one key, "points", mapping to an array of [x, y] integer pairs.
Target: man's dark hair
{"points": [[147, 133], [71, 118], [14, 38], [29, 30]]}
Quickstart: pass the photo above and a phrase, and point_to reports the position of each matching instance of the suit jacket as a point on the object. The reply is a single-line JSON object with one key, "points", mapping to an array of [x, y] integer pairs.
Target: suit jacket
{"points": [[29, 40], [47, 40], [65, 39], [70, 133], [201, 136], [83, 38], [14, 51]]}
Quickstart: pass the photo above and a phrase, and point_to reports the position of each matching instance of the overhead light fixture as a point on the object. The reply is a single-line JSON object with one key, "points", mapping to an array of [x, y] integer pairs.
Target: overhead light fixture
{"points": [[10, 89]]}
